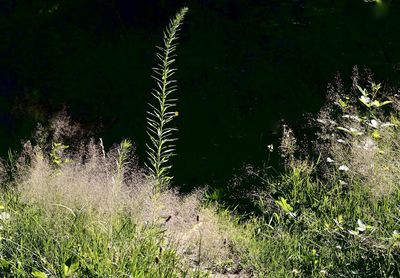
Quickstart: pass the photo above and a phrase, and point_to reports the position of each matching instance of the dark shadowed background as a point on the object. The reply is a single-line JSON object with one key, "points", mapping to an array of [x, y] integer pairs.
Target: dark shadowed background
{"points": [[242, 67]]}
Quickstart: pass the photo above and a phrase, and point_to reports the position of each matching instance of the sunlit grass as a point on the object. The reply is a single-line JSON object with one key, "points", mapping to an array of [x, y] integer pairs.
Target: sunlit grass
{"points": [[84, 211]]}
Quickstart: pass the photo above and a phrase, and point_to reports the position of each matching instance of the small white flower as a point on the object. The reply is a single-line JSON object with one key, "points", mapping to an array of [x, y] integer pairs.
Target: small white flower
{"points": [[343, 168], [329, 160], [374, 123], [4, 216], [365, 99], [361, 226], [270, 148]]}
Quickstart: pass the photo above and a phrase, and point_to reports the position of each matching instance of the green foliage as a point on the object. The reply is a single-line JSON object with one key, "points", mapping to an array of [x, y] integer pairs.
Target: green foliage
{"points": [[122, 159], [35, 242], [363, 140], [161, 146], [10, 174], [367, 111], [308, 226], [370, 99], [314, 224], [39, 274], [284, 205], [317, 229], [56, 153], [71, 265]]}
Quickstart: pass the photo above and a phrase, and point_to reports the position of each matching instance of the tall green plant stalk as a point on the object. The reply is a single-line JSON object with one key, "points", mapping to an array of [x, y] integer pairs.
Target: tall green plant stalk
{"points": [[161, 146], [122, 161]]}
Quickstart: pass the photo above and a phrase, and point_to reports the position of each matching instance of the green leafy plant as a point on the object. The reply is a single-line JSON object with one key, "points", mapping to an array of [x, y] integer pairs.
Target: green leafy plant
{"points": [[283, 204], [367, 111], [122, 160], [358, 130], [39, 274], [57, 156], [161, 146], [56, 153], [70, 266], [370, 99]]}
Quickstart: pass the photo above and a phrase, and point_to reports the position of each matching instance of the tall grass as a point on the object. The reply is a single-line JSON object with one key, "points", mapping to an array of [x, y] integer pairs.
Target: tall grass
{"points": [[95, 215], [337, 216], [65, 242], [84, 211]]}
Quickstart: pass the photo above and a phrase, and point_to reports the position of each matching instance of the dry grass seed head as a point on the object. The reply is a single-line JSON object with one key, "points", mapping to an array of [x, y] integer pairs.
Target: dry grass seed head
{"points": [[288, 143], [86, 184], [61, 126], [188, 225], [86, 181]]}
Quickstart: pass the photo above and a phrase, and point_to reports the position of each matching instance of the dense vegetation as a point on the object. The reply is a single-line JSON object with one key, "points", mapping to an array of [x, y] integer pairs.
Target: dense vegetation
{"points": [[71, 208], [243, 66]]}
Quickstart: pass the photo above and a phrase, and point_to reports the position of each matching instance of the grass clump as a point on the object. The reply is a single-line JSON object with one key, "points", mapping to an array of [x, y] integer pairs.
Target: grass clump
{"points": [[66, 242], [359, 132], [337, 216], [311, 228], [96, 215]]}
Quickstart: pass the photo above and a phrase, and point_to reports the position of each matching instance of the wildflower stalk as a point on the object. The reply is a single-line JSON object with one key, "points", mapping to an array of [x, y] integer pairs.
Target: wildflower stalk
{"points": [[161, 147]]}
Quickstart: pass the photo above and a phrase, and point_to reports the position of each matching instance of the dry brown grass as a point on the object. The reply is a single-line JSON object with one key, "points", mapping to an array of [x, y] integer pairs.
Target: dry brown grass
{"points": [[87, 180]]}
